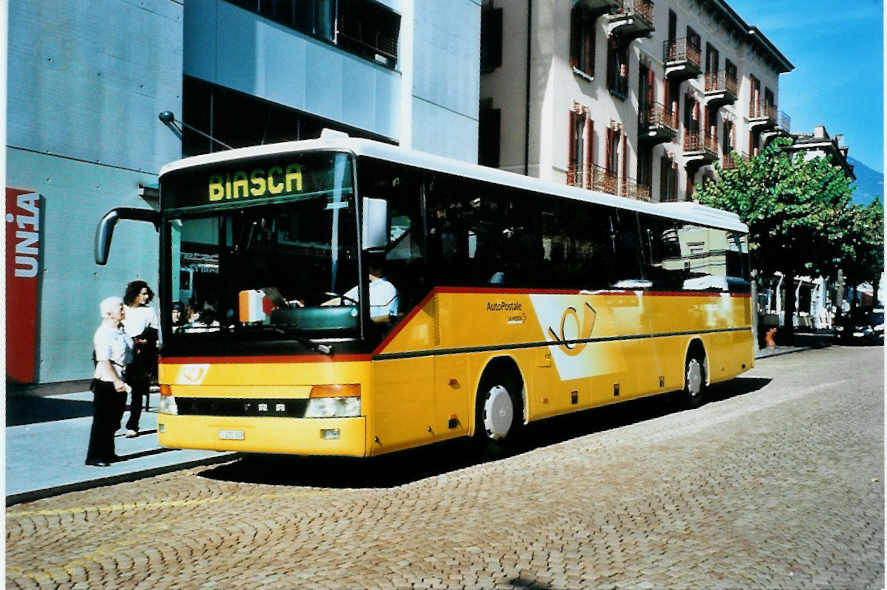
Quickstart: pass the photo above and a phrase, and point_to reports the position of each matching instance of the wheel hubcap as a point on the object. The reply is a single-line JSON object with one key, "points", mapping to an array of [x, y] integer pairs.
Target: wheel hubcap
{"points": [[498, 412], [694, 377]]}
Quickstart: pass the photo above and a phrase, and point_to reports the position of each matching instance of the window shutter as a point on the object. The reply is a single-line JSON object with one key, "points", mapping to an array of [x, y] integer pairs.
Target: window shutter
{"points": [[589, 149], [571, 158], [674, 181], [609, 149], [624, 156], [651, 91], [575, 36]]}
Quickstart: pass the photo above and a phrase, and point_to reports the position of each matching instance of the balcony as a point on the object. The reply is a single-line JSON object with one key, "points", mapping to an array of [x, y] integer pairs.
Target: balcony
{"points": [[603, 180], [656, 124], [631, 19], [720, 89], [598, 7], [785, 122], [700, 149], [683, 60], [632, 189], [729, 161], [761, 117]]}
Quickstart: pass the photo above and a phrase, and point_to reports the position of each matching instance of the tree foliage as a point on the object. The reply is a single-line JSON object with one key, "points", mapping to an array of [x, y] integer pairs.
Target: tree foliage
{"points": [[800, 217], [798, 211]]}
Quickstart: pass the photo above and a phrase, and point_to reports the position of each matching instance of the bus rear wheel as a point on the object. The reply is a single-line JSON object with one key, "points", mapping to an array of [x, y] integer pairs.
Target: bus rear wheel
{"points": [[694, 380], [498, 413]]}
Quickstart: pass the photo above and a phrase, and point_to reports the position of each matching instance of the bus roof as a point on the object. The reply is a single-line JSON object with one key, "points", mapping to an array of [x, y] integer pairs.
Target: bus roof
{"points": [[685, 211]]}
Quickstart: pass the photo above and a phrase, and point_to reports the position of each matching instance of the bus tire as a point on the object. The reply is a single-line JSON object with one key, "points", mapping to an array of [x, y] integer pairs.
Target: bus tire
{"points": [[498, 412], [694, 378]]}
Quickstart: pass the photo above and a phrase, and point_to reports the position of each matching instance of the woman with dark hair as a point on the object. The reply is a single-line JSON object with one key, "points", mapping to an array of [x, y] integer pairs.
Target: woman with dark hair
{"points": [[141, 324]]}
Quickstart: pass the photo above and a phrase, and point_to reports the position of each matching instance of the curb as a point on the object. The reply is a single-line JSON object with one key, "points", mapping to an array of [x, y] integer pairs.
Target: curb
{"points": [[40, 494]]}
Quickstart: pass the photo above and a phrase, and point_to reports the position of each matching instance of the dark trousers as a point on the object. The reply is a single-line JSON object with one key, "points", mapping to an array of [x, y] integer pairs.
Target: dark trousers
{"points": [[107, 407], [140, 387]]}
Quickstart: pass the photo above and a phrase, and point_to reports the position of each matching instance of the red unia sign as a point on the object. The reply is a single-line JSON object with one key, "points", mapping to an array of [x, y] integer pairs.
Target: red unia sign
{"points": [[22, 281]]}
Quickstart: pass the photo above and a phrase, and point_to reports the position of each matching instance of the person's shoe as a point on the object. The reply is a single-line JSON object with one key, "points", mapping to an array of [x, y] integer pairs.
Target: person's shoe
{"points": [[130, 433], [98, 463]]}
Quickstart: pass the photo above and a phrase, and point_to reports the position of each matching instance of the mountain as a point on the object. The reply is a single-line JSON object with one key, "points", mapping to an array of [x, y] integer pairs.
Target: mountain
{"points": [[869, 183]]}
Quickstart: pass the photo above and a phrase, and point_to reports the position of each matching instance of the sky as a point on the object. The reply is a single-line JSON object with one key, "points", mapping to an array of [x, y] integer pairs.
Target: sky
{"points": [[838, 53]]}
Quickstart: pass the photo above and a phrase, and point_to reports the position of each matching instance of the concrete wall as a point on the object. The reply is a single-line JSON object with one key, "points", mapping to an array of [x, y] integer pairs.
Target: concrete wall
{"points": [[238, 49], [86, 81], [445, 78]]}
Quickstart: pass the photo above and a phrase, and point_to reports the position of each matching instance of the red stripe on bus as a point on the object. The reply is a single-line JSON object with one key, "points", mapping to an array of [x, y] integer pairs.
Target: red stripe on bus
{"points": [[312, 358]]}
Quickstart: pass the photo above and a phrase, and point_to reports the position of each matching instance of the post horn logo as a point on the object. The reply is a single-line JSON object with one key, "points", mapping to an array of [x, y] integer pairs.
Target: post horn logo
{"points": [[583, 329], [195, 373]]}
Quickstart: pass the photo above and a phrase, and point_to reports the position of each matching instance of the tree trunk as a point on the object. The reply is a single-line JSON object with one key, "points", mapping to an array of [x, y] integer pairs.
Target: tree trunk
{"points": [[788, 331]]}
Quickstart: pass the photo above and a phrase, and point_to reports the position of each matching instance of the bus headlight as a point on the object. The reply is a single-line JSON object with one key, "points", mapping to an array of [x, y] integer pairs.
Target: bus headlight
{"points": [[333, 407], [168, 405], [333, 401]]}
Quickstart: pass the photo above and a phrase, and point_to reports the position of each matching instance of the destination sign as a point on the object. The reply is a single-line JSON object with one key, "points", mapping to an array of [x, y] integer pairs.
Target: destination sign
{"points": [[256, 179], [256, 183]]}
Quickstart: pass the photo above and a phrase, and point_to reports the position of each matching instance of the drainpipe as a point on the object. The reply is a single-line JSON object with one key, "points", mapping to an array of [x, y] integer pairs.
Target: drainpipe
{"points": [[527, 113]]}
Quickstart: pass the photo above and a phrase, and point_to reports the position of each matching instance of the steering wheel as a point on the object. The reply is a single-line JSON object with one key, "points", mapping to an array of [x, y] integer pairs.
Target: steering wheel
{"points": [[341, 297]]}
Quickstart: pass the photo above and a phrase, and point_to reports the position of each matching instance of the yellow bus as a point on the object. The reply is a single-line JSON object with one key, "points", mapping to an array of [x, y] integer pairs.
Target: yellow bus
{"points": [[347, 297]]}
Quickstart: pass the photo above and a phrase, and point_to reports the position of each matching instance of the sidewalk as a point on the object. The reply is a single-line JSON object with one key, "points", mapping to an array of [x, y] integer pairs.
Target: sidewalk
{"points": [[803, 341], [46, 440]]}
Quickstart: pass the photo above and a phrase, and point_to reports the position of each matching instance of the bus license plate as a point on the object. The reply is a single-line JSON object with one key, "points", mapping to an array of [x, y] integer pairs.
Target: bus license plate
{"points": [[231, 434]]}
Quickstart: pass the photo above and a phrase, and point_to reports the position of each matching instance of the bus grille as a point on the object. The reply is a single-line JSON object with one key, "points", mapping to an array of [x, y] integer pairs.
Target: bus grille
{"points": [[222, 406]]}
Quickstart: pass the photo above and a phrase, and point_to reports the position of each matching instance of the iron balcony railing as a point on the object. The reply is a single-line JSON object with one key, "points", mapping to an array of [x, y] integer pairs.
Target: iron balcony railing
{"points": [[696, 141], [785, 122], [632, 189], [655, 116], [680, 50], [730, 159], [757, 110], [603, 180], [721, 82], [643, 9]]}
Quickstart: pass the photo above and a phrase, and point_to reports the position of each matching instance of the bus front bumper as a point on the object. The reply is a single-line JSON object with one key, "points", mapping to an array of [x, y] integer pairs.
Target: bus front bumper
{"points": [[298, 436]]}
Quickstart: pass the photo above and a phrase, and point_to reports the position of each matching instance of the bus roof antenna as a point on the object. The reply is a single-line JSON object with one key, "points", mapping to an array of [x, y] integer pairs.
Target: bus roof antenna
{"points": [[169, 119]]}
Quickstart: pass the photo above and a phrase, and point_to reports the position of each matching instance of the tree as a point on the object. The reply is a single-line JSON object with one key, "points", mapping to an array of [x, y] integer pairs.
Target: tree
{"points": [[864, 260], [798, 212]]}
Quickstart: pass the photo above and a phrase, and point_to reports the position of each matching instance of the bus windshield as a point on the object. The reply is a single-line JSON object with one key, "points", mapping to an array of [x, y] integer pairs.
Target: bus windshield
{"points": [[267, 266]]}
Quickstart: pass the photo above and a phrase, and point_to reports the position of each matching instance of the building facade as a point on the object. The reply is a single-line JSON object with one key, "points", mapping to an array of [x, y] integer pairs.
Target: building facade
{"points": [[87, 80], [625, 96]]}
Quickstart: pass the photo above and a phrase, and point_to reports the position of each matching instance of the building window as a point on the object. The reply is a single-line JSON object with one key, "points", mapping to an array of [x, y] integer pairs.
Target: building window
{"points": [[369, 29], [769, 104], [362, 27], [582, 40], [241, 120], [694, 41], [579, 154], [490, 130], [490, 38], [617, 69], [712, 59], [754, 97], [668, 179]]}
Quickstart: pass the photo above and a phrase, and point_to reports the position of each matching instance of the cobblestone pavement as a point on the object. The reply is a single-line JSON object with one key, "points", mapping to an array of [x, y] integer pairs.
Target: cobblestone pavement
{"points": [[776, 483]]}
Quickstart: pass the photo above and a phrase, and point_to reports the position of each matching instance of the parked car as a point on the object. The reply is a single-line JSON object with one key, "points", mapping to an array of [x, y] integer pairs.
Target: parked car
{"points": [[863, 324]]}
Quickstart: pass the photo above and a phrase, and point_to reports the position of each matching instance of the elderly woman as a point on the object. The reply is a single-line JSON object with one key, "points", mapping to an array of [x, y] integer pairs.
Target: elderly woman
{"points": [[141, 324], [113, 352]]}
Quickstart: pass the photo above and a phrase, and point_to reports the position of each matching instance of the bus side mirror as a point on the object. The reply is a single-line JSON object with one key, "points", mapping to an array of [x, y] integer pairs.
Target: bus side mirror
{"points": [[375, 224], [105, 229]]}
